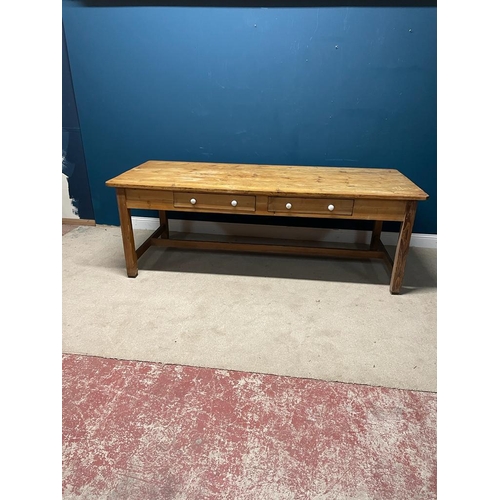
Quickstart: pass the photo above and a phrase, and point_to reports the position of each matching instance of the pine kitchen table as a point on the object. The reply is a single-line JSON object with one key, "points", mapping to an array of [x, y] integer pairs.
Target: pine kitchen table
{"points": [[269, 190]]}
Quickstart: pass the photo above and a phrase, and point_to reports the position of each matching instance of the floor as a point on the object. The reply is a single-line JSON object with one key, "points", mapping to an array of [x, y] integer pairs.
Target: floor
{"points": [[66, 228], [142, 430]]}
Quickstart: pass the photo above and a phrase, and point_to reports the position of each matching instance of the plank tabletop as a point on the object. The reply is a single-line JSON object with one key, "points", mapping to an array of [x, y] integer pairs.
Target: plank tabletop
{"points": [[343, 182]]}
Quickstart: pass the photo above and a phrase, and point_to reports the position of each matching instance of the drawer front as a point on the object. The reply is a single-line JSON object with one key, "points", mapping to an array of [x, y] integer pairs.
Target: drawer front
{"points": [[217, 202], [324, 206]]}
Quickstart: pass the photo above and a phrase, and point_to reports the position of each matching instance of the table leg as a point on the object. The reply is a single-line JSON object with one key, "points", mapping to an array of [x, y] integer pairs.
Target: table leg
{"points": [[127, 234], [164, 223], [403, 248], [377, 229]]}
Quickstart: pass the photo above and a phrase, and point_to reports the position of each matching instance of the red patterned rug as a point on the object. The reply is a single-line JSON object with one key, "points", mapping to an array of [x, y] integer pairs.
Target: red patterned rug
{"points": [[137, 430]]}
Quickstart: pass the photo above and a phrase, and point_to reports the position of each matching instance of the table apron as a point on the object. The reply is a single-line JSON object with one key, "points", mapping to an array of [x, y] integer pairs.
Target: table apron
{"points": [[363, 209]]}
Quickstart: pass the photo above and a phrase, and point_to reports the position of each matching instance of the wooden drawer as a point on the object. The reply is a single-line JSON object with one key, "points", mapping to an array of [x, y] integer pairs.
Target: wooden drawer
{"points": [[324, 206], [216, 202]]}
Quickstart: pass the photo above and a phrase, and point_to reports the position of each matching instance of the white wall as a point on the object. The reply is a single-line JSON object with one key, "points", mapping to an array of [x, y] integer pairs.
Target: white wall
{"points": [[69, 211]]}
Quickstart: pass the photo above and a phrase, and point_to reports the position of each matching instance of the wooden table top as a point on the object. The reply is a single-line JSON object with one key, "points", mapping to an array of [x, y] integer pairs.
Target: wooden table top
{"points": [[343, 182]]}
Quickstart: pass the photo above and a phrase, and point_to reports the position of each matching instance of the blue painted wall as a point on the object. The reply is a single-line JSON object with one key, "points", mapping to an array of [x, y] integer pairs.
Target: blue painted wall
{"points": [[312, 86], [73, 165]]}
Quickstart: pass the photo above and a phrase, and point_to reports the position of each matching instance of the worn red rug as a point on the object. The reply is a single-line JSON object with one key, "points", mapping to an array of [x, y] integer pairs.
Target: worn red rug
{"points": [[136, 430]]}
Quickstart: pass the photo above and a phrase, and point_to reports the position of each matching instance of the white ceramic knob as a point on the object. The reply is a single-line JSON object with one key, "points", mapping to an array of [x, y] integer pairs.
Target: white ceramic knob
{"points": [[331, 207], [288, 206], [234, 203], [193, 201]]}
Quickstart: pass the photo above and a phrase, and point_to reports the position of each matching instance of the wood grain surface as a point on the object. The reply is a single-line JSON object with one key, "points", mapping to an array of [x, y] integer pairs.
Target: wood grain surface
{"points": [[343, 182]]}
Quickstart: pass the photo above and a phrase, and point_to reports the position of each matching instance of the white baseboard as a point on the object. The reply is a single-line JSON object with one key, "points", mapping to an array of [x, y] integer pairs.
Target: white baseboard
{"points": [[281, 232]]}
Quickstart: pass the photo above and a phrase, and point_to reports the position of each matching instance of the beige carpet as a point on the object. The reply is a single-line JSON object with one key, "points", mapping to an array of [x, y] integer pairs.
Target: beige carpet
{"points": [[304, 317]]}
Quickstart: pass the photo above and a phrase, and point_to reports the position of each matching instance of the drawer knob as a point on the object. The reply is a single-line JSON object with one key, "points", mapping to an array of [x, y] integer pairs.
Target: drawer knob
{"points": [[193, 201], [331, 207], [288, 206], [234, 203]]}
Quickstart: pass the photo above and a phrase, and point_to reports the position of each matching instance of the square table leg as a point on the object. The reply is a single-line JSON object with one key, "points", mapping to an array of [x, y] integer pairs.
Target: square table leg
{"points": [[403, 247], [127, 234], [377, 230], [164, 223]]}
